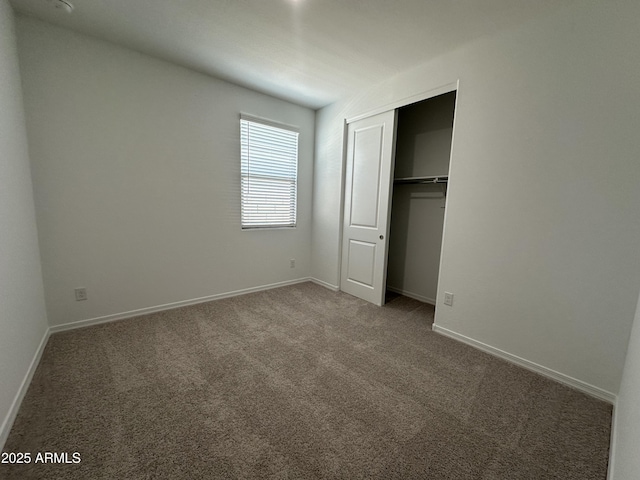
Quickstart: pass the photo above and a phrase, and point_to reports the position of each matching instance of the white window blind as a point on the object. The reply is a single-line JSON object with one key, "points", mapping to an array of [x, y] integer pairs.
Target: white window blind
{"points": [[269, 170]]}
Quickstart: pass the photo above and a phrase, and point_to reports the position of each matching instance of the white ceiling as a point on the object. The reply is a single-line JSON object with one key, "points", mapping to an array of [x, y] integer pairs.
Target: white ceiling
{"points": [[311, 52]]}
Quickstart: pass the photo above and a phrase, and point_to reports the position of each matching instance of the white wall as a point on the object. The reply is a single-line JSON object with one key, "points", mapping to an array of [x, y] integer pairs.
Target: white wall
{"points": [[625, 460], [23, 322], [136, 170], [540, 242]]}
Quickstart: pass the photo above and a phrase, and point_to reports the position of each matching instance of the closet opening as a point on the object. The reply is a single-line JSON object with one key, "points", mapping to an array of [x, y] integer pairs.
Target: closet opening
{"points": [[424, 133], [396, 178]]}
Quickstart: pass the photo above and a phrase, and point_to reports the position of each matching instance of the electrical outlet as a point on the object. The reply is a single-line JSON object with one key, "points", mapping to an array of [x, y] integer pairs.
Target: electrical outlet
{"points": [[448, 299], [292, 263], [81, 294]]}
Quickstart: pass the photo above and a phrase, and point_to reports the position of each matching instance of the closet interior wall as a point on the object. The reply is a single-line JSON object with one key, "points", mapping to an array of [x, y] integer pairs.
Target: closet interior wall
{"points": [[423, 149]]}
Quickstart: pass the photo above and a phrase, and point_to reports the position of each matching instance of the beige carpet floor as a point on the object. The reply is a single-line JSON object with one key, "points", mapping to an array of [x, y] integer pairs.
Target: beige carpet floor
{"points": [[302, 383]]}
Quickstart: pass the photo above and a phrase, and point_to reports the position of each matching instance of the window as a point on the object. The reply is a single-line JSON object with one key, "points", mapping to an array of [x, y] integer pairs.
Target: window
{"points": [[269, 171]]}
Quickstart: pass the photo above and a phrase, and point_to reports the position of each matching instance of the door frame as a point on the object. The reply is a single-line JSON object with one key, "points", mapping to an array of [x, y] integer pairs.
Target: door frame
{"points": [[433, 92]]}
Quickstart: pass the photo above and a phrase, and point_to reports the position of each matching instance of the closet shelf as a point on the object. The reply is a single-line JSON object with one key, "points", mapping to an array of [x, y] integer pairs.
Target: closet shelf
{"points": [[417, 180]]}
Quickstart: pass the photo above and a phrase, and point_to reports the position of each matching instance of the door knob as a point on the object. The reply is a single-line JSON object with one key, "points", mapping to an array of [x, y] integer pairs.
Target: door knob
{"points": [[381, 237]]}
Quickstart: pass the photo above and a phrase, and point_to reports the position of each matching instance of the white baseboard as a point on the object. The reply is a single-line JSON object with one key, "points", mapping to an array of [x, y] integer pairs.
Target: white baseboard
{"points": [[415, 296], [169, 306], [335, 288], [24, 386], [534, 367]]}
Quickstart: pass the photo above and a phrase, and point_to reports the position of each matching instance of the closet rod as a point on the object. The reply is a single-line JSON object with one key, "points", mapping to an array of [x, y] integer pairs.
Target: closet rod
{"points": [[421, 180]]}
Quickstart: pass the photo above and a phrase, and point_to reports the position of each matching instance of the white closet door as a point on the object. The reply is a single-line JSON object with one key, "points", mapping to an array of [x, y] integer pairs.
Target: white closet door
{"points": [[370, 156]]}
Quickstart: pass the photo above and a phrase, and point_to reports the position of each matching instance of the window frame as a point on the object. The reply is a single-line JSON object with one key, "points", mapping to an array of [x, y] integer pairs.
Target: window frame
{"points": [[287, 174]]}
